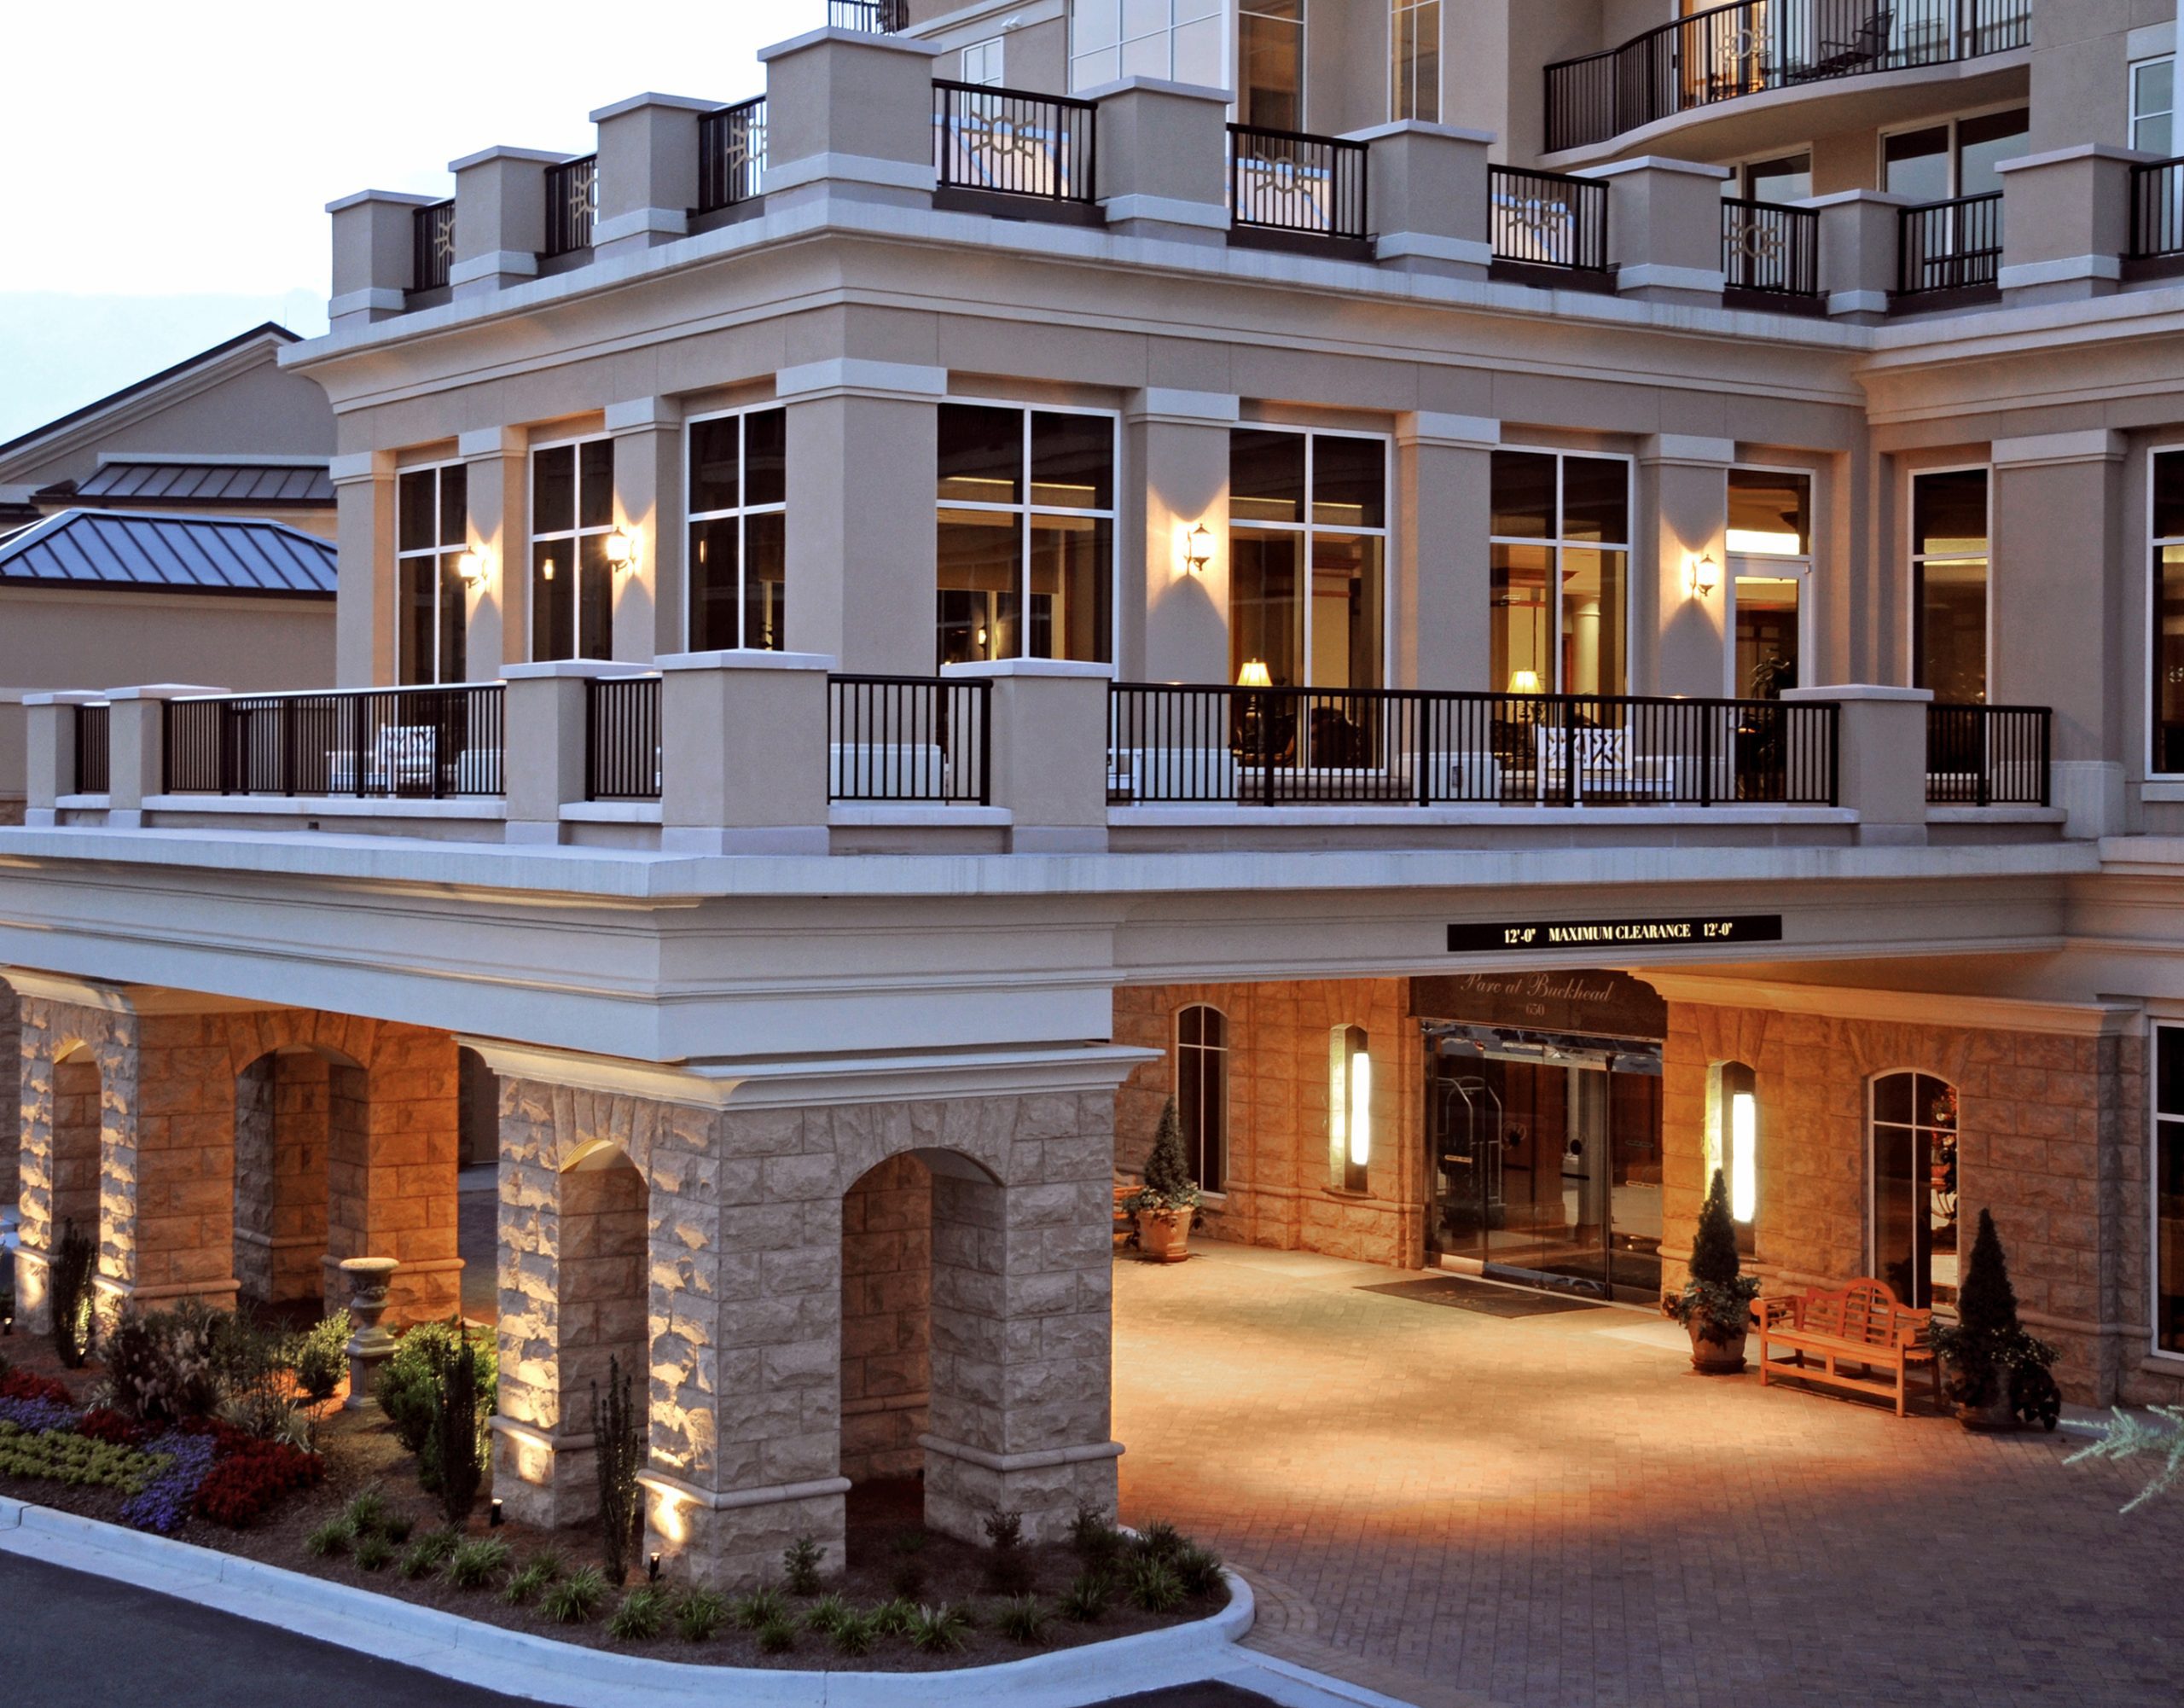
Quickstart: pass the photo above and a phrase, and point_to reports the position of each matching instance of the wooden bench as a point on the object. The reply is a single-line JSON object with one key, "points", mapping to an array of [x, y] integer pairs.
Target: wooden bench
{"points": [[1860, 1324]]}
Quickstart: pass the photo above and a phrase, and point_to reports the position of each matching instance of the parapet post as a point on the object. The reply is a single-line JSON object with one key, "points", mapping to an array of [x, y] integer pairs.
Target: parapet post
{"points": [[375, 256], [2066, 222], [744, 768], [1164, 159], [849, 115], [1665, 228], [1049, 756], [499, 217], [647, 172], [1428, 188], [1880, 758]]}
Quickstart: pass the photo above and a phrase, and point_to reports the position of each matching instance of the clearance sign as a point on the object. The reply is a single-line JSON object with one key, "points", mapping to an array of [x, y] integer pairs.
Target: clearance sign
{"points": [[1615, 933]]}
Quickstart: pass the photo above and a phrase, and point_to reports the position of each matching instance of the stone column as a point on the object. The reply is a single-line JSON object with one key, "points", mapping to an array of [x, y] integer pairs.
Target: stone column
{"points": [[364, 606], [11, 1108], [1172, 623], [375, 256], [494, 460], [648, 595], [1664, 229], [392, 1151], [1442, 582], [1678, 639]]}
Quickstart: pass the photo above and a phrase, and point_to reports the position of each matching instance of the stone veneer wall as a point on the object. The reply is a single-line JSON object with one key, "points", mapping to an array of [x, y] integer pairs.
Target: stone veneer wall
{"points": [[11, 1102], [1279, 1190], [2051, 1140], [886, 1325], [283, 1116]]}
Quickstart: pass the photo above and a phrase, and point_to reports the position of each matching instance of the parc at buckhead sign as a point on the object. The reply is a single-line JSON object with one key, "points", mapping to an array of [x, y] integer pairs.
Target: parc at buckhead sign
{"points": [[1700, 931]]}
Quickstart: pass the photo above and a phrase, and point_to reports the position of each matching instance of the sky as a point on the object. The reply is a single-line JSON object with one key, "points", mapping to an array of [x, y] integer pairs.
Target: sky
{"points": [[172, 164]]}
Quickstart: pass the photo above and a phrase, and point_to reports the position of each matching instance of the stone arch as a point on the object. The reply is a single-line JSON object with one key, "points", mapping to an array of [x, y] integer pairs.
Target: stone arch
{"points": [[886, 1318], [296, 1108], [599, 1280], [77, 1157], [11, 1131]]}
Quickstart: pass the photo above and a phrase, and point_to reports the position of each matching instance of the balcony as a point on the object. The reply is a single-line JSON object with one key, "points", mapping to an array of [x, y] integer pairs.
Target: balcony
{"points": [[1285, 185], [1770, 254], [731, 155], [1949, 255], [1730, 52], [999, 149], [873, 17], [1548, 228]]}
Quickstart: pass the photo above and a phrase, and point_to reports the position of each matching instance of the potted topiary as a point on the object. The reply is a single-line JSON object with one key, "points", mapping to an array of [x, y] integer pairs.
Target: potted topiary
{"points": [[1168, 1201], [1716, 1304], [1998, 1375]]}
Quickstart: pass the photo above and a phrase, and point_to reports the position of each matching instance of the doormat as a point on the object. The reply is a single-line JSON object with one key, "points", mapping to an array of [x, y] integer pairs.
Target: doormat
{"points": [[1481, 1299]]}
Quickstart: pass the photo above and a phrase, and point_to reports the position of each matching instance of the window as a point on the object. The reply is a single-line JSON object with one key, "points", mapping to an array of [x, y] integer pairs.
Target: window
{"points": [[2169, 1190], [1026, 534], [1202, 1092], [981, 62], [432, 530], [2153, 105], [1182, 40], [738, 499], [1948, 584], [1561, 560], [1270, 64], [1914, 1196], [1306, 579], [1784, 178], [1349, 1109], [571, 583], [2167, 479], [1770, 558], [1732, 1144], [1415, 61], [1956, 158]]}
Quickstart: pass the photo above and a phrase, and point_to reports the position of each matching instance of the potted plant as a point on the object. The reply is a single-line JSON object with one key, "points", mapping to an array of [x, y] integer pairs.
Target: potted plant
{"points": [[1999, 1375], [1168, 1201], [1716, 1304]]}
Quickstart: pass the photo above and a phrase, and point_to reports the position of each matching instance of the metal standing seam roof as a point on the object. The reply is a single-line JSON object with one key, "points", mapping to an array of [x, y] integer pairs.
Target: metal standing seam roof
{"points": [[210, 482], [171, 554]]}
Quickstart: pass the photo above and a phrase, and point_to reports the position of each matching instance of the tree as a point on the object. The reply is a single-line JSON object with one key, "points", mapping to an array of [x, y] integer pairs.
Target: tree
{"points": [[1717, 1297], [1168, 1182], [1990, 1356], [75, 1318], [618, 1449], [458, 1447]]}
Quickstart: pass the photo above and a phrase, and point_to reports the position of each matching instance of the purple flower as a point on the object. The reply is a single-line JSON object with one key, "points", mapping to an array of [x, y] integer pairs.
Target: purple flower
{"points": [[37, 1417], [165, 1500]]}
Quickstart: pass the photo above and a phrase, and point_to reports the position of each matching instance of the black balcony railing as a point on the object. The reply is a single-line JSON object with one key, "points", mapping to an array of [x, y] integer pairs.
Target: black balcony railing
{"points": [[1010, 142], [1769, 249], [1949, 246], [731, 155], [1988, 755], [622, 746], [917, 739], [874, 17], [431, 238], [1548, 219], [428, 742], [1291, 181], [93, 775], [2157, 210], [1727, 52], [572, 204], [1281, 746]]}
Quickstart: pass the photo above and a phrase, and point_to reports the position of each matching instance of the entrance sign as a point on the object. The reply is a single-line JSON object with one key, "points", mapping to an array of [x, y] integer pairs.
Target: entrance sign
{"points": [[1615, 933], [1587, 1003]]}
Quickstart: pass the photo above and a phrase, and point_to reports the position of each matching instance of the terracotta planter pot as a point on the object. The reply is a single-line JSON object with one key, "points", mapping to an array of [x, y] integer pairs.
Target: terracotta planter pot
{"points": [[1164, 1236], [1996, 1419], [1716, 1357]]}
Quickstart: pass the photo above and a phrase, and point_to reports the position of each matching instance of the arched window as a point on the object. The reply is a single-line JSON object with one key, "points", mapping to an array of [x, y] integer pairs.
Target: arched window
{"points": [[1732, 1144], [1349, 1109], [1914, 1141], [1202, 1092]]}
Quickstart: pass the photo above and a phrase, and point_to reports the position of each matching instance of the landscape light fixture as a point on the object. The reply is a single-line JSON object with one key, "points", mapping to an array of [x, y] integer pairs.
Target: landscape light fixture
{"points": [[1705, 576], [494, 1516], [652, 1570]]}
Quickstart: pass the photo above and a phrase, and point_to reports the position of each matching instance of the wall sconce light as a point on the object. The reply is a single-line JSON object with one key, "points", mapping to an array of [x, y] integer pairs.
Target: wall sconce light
{"points": [[471, 566], [621, 548], [1744, 1156], [546, 569], [1254, 675], [1524, 681], [1198, 550], [1705, 576]]}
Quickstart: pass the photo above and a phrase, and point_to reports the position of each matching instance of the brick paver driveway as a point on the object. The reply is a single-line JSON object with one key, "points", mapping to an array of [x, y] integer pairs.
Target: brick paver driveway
{"points": [[1460, 1510]]}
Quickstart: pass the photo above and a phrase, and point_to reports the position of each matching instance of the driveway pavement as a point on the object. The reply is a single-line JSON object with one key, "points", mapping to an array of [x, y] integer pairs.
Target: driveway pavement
{"points": [[1552, 1512]]}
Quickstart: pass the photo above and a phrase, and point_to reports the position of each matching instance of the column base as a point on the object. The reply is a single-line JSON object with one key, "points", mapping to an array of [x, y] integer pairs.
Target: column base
{"points": [[963, 1483], [114, 1296], [734, 1538], [542, 1477]]}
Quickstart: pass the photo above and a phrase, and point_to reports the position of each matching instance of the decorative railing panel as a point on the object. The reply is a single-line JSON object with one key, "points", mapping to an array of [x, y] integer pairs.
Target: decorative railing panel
{"points": [[2157, 210], [571, 205], [1770, 249], [912, 739], [432, 743], [1009, 142], [874, 17], [1548, 219], [731, 155], [1949, 246], [93, 772], [432, 236], [1291, 181], [622, 744], [1988, 755]]}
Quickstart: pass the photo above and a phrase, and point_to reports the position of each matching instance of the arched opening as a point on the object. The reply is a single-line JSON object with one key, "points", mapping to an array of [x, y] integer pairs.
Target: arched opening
{"points": [[301, 1154], [77, 1121], [1202, 1092], [11, 1131], [478, 1110], [887, 1331], [1912, 1146], [601, 1293]]}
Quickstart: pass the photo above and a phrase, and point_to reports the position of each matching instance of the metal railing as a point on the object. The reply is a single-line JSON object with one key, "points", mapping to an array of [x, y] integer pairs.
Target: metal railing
{"points": [[622, 745], [2156, 210], [1548, 219], [1220, 746], [432, 240], [431, 743], [1988, 755], [1769, 248], [94, 775], [572, 204], [901, 737], [874, 17], [1011, 143], [1727, 52], [1949, 246], [731, 155], [1292, 181]]}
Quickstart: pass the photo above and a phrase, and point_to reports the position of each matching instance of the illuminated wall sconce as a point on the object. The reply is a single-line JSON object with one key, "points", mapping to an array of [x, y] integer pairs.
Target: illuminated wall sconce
{"points": [[546, 569], [1349, 1108], [471, 566], [1254, 675], [1524, 681], [1198, 550], [1705, 576], [621, 548]]}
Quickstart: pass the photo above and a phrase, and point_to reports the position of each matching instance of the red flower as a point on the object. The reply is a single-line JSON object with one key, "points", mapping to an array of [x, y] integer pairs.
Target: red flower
{"points": [[250, 1477], [23, 1385], [100, 1424]]}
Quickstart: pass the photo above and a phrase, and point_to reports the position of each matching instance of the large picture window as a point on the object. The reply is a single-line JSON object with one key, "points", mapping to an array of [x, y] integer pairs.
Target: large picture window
{"points": [[1307, 521], [1770, 561], [1948, 584], [1915, 1187], [1027, 525], [572, 582], [1202, 1092], [2167, 698], [738, 488], [1415, 61], [431, 531], [1181, 40], [1270, 64], [2169, 1190], [1561, 565]]}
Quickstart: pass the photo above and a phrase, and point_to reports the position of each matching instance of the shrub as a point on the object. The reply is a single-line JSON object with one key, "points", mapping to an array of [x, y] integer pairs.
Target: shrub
{"points": [[1007, 1571], [404, 1387], [943, 1630], [800, 1566], [892, 1618], [777, 1635], [1153, 1586], [373, 1552], [1990, 1358], [60, 1456], [1199, 1570], [75, 1322], [1168, 1182], [476, 1563], [1023, 1620], [825, 1613], [854, 1633], [1716, 1298], [367, 1513], [1159, 1540], [641, 1617], [396, 1527], [160, 1365], [758, 1607], [618, 1454], [253, 1367], [539, 1571], [2130, 1438], [334, 1537], [457, 1437], [251, 1477], [321, 1357], [699, 1615], [1087, 1598], [906, 1578], [428, 1553], [575, 1598], [1093, 1536]]}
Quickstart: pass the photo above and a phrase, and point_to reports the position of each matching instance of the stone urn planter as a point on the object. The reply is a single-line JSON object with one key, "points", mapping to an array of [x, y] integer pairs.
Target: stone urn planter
{"points": [[1716, 1357], [371, 1344], [1164, 1236]]}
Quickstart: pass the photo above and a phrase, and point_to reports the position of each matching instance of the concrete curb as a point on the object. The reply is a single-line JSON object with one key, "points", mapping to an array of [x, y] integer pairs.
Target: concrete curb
{"points": [[543, 1671]]}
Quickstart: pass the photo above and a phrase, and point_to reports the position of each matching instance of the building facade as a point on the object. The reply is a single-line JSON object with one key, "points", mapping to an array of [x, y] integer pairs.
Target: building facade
{"points": [[886, 630]]}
